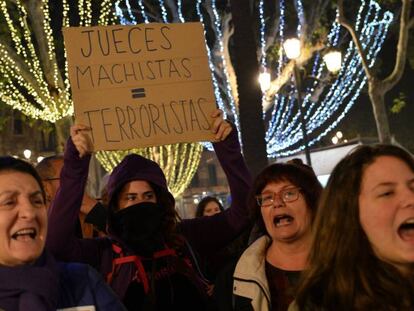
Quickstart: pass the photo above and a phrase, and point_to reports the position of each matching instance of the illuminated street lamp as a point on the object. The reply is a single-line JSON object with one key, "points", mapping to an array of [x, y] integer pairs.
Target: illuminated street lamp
{"points": [[333, 61], [292, 48], [264, 80], [27, 153], [338, 138]]}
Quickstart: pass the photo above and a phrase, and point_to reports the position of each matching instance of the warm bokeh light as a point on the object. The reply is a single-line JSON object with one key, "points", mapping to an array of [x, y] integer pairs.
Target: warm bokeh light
{"points": [[292, 48], [27, 153], [264, 80], [333, 60]]}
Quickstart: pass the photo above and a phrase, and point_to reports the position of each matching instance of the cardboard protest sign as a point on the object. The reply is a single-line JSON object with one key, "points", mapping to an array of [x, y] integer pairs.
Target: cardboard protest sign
{"points": [[141, 85]]}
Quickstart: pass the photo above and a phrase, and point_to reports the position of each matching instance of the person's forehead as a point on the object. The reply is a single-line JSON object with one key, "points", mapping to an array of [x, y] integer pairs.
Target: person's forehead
{"points": [[10, 179], [137, 186], [57, 165], [212, 204]]}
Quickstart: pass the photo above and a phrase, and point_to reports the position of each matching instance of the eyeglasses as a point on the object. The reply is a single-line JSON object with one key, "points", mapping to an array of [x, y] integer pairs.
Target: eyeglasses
{"points": [[286, 195]]}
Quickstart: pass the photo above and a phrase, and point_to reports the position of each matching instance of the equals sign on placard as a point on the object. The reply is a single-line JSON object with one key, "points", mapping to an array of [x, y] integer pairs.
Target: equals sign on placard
{"points": [[138, 93]]}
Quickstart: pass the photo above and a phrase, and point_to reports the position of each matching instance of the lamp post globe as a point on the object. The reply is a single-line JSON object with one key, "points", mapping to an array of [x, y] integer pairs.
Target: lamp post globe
{"points": [[264, 80], [292, 48], [27, 153], [333, 60]]}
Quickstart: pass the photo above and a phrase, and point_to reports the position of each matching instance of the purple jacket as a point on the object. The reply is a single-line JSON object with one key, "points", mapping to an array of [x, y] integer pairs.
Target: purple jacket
{"points": [[206, 235]]}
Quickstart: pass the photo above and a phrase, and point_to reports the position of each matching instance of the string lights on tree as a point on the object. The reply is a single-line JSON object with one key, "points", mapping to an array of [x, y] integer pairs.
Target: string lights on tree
{"points": [[323, 111], [34, 72]]}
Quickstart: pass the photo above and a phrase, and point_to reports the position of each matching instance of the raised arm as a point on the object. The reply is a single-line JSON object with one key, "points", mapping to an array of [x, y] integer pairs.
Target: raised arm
{"points": [[64, 211], [210, 234]]}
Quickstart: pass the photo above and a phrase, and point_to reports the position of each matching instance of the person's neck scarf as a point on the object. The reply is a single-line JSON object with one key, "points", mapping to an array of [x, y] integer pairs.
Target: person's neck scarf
{"points": [[30, 287]]}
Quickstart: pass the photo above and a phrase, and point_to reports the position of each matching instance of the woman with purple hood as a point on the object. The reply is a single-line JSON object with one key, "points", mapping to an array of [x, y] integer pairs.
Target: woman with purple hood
{"points": [[149, 256]]}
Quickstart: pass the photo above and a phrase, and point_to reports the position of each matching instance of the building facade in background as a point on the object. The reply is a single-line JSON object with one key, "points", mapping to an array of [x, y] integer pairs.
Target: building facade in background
{"points": [[18, 134]]}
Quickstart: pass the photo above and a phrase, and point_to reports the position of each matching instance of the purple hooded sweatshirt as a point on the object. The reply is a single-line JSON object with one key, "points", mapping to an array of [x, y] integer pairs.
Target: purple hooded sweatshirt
{"points": [[206, 235]]}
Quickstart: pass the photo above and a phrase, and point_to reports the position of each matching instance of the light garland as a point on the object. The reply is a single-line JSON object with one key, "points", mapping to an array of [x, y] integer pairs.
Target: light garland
{"points": [[142, 8], [24, 86], [228, 87], [20, 66], [286, 140], [163, 11], [180, 11], [301, 17], [179, 162]]}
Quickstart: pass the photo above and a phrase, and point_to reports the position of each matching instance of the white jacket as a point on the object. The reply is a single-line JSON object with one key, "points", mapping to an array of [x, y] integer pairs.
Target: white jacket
{"points": [[249, 278]]}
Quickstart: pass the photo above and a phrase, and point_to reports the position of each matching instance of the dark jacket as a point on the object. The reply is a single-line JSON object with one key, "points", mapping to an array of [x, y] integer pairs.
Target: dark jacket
{"points": [[205, 236], [81, 285], [47, 285]]}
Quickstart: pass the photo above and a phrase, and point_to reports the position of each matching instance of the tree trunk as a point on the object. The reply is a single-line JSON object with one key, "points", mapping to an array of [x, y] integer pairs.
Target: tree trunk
{"points": [[378, 88], [62, 128], [377, 97], [246, 67]]}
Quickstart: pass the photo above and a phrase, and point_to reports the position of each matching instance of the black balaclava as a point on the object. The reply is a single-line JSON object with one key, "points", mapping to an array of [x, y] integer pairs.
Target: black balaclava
{"points": [[139, 227]]}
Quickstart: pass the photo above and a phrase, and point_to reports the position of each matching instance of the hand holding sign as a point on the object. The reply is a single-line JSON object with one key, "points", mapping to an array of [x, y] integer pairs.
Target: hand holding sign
{"points": [[141, 85], [81, 139], [221, 128], [80, 133]]}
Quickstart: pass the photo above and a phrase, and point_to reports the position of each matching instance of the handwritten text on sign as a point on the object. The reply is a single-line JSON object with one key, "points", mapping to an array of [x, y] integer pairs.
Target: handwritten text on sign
{"points": [[141, 85]]}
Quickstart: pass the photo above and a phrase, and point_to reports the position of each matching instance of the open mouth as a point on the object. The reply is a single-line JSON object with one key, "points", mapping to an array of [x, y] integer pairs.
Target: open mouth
{"points": [[282, 220], [406, 230], [25, 234]]}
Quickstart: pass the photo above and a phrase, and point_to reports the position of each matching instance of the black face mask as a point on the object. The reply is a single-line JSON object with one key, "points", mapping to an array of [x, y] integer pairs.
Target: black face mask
{"points": [[139, 227]]}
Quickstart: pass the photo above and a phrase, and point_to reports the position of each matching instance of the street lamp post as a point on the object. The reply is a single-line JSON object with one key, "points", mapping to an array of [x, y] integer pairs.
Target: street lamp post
{"points": [[298, 85], [333, 61], [292, 49]]}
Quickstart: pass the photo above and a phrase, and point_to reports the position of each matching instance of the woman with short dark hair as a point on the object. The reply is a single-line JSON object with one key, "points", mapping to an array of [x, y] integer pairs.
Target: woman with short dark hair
{"points": [[283, 202], [30, 278]]}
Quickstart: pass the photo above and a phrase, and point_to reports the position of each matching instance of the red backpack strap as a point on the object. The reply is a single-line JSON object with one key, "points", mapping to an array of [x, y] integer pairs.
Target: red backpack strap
{"points": [[137, 260], [117, 250], [127, 259], [165, 252]]}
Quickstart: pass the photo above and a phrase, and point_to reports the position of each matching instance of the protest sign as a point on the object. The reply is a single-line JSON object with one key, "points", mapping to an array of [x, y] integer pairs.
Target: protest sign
{"points": [[141, 85]]}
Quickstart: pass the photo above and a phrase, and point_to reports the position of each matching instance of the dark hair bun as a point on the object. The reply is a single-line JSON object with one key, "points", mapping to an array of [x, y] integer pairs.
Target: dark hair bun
{"points": [[296, 161]]}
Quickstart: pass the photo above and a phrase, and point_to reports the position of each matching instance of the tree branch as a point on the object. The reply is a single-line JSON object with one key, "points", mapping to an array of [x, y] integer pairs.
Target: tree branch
{"points": [[228, 31], [395, 76], [47, 58], [306, 55], [411, 23], [174, 10], [22, 69], [345, 23]]}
